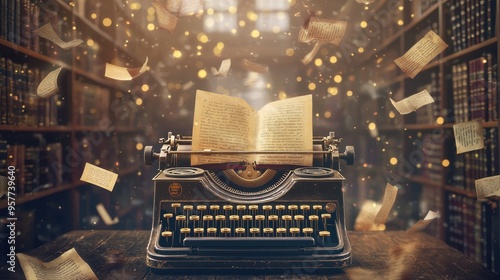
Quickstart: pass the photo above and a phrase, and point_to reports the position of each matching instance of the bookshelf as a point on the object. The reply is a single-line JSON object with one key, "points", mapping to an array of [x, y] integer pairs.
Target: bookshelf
{"points": [[417, 151], [91, 119]]}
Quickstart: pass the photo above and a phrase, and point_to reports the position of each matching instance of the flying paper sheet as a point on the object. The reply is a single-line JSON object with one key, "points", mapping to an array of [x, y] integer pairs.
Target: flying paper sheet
{"points": [[324, 30], [421, 224], [254, 67], [389, 198], [166, 19], [412, 103], [67, 266], [486, 187], [468, 136], [365, 219], [48, 86], [308, 57], [47, 32], [223, 69], [421, 54], [106, 218], [99, 176], [123, 73]]}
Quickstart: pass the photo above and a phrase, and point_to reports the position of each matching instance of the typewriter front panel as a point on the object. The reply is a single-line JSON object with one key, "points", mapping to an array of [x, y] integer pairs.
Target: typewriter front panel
{"points": [[202, 221]]}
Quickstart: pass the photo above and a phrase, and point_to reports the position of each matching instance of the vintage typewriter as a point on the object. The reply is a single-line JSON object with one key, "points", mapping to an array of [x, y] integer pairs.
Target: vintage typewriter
{"points": [[248, 216]]}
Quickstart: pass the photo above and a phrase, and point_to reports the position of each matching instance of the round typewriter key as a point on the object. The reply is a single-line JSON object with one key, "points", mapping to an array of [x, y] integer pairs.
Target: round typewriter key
{"points": [[225, 230], [199, 231], [299, 217], [176, 205], [166, 234], [313, 218], [194, 218], [280, 231], [286, 217], [239, 231], [324, 234], [185, 230], [253, 207], [305, 207], [168, 215], [247, 217], [307, 231], [280, 207], [208, 218], [212, 230], [254, 231], [220, 217], [317, 207], [326, 216], [241, 207], [294, 231], [267, 207], [188, 207], [260, 218], [234, 218], [293, 207], [180, 218], [273, 217], [227, 207], [268, 231], [201, 207], [214, 207]]}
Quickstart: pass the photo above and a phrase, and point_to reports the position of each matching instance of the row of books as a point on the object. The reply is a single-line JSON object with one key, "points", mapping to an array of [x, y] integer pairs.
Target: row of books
{"points": [[428, 114], [36, 166], [93, 103], [473, 228], [477, 164], [471, 22], [475, 92], [19, 104], [432, 167]]}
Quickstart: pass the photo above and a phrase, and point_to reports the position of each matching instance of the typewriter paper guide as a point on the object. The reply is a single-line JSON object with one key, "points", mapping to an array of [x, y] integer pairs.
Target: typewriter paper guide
{"points": [[226, 123]]}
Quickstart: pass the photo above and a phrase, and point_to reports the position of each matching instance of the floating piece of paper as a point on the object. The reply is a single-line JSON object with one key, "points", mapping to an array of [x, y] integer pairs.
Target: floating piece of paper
{"points": [[98, 176], [487, 187], [308, 57], [223, 69], [67, 266], [106, 218], [47, 32], [123, 73], [422, 224], [468, 136], [412, 103], [365, 219], [253, 67], [251, 79], [4, 185], [389, 198], [421, 54], [166, 19], [48, 86], [318, 29]]}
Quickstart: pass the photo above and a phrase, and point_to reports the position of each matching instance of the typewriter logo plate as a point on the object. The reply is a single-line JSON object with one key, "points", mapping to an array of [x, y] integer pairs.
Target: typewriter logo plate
{"points": [[175, 189]]}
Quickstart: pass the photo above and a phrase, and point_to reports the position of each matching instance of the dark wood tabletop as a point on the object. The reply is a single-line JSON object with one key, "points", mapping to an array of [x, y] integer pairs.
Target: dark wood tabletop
{"points": [[374, 252]]}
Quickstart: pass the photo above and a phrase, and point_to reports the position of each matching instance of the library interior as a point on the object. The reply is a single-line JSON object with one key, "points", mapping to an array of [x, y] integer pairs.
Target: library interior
{"points": [[355, 139]]}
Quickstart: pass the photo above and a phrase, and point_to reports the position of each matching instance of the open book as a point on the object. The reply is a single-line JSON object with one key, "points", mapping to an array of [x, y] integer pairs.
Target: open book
{"points": [[226, 123]]}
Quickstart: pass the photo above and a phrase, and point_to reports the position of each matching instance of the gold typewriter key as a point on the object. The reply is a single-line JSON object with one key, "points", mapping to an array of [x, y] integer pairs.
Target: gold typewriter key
{"points": [[260, 217], [325, 217], [268, 231], [247, 217], [314, 221], [305, 207], [201, 207], [267, 207], [239, 231], [185, 230], [220, 218], [207, 218], [227, 207], [199, 231], [214, 207], [176, 205], [253, 207], [225, 231], [293, 207], [212, 231], [234, 218], [294, 231], [324, 234], [254, 231], [307, 231], [166, 234], [280, 207], [188, 207], [168, 215], [280, 231]]}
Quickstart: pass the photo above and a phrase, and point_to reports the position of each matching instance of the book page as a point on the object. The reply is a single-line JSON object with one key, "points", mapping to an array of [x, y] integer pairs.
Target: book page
{"points": [[106, 218], [413, 102], [222, 123], [123, 73], [166, 19], [420, 54], [99, 176], [190, 7], [325, 30], [47, 32], [48, 86], [223, 69], [67, 266], [422, 224], [468, 136], [486, 187], [254, 67], [389, 198], [286, 125]]}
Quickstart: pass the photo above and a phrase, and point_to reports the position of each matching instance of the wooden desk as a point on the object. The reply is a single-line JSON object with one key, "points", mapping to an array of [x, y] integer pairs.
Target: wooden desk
{"points": [[433, 260]]}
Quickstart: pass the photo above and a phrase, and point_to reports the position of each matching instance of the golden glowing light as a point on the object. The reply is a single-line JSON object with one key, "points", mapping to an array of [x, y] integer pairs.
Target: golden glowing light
{"points": [[151, 11], [392, 115], [318, 62], [282, 95], [242, 23], [333, 91], [252, 16], [145, 87], [299, 79], [328, 114], [363, 24], [202, 37], [337, 78], [139, 146], [90, 42], [151, 26], [312, 86], [93, 16], [210, 11], [217, 51], [289, 52], [393, 161], [372, 126], [177, 54], [107, 22], [333, 59], [232, 9], [445, 163], [202, 74], [401, 22], [361, 49], [255, 33], [440, 120], [276, 29], [349, 93], [135, 6], [138, 102]]}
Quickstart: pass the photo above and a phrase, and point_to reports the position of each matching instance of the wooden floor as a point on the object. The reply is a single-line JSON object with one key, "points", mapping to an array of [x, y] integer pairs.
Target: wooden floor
{"points": [[372, 257]]}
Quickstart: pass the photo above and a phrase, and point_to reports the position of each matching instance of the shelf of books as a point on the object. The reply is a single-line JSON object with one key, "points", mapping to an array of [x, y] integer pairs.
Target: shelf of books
{"points": [[417, 151], [46, 140]]}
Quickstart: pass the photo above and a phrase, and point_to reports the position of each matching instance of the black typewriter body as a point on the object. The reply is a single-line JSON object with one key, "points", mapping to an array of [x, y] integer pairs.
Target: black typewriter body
{"points": [[209, 218]]}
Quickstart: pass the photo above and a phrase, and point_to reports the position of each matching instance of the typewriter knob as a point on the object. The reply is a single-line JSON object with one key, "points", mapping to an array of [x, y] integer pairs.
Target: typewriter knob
{"points": [[348, 155], [149, 155]]}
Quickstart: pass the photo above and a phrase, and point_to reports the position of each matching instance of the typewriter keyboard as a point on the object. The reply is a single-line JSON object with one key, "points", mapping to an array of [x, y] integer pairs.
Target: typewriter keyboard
{"points": [[224, 224]]}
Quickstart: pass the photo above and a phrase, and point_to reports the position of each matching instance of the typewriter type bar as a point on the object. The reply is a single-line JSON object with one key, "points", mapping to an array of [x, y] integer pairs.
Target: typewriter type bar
{"points": [[210, 219]]}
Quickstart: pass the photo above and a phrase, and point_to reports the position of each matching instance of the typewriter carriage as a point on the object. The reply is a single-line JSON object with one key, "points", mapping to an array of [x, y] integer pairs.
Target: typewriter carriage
{"points": [[180, 238]]}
